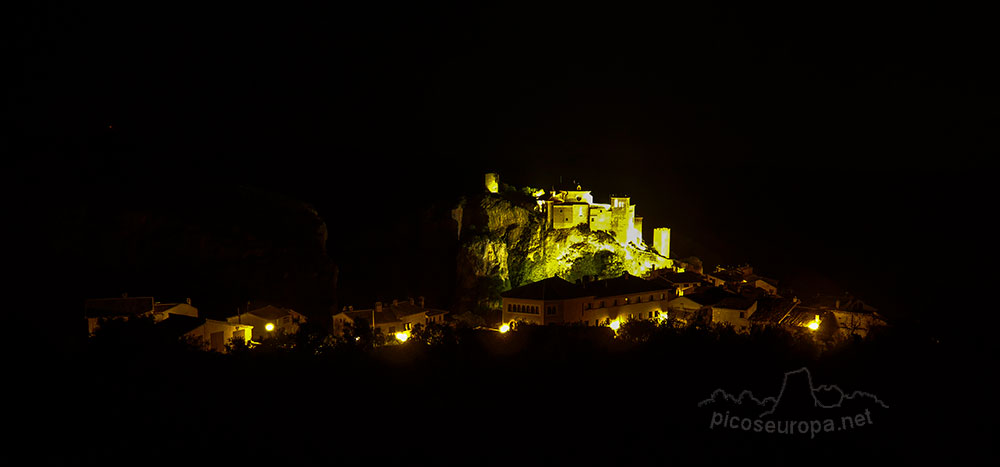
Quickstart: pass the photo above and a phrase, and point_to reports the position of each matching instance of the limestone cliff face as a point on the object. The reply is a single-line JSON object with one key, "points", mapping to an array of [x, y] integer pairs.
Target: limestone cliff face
{"points": [[504, 244]]}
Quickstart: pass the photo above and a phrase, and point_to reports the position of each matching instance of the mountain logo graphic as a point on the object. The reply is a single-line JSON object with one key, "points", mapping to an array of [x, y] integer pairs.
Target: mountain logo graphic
{"points": [[799, 401]]}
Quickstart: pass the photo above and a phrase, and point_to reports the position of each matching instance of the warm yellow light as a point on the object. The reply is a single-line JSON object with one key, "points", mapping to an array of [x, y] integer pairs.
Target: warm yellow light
{"points": [[615, 325], [269, 327], [402, 336], [813, 325], [504, 328]]}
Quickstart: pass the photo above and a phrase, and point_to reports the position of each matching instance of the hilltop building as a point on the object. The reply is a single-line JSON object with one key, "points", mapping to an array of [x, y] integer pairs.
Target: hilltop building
{"points": [[568, 208]]}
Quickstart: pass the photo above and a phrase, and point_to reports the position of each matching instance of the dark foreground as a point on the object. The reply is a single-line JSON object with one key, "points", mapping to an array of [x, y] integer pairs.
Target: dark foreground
{"points": [[538, 396]]}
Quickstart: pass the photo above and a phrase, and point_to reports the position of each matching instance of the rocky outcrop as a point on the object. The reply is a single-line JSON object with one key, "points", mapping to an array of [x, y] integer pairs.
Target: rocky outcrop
{"points": [[504, 244]]}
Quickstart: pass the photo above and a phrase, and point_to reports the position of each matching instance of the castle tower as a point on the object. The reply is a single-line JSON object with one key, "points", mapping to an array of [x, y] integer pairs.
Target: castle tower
{"points": [[661, 240], [637, 230], [622, 217], [493, 182]]}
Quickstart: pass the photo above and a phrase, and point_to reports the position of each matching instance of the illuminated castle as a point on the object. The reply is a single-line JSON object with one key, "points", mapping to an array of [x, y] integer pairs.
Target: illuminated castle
{"points": [[566, 209]]}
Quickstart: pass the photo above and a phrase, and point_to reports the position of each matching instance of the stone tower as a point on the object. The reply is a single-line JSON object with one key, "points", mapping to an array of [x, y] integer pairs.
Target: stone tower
{"points": [[622, 217], [661, 240], [493, 182]]}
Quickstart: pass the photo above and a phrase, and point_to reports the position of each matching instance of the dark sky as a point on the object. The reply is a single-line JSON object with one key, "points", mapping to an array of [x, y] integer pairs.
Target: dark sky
{"points": [[804, 138]]}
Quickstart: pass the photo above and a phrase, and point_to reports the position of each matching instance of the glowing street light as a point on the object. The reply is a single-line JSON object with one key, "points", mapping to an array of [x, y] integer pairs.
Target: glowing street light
{"points": [[614, 325], [814, 324], [504, 328], [402, 336], [269, 327]]}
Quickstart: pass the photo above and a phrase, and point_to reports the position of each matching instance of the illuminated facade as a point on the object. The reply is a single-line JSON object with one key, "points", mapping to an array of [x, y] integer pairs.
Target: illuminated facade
{"points": [[566, 209], [281, 321], [714, 305], [591, 303], [209, 334], [389, 319]]}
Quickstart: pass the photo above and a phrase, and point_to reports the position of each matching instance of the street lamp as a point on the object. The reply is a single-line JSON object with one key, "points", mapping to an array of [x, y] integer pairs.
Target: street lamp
{"points": [[814, 324]]}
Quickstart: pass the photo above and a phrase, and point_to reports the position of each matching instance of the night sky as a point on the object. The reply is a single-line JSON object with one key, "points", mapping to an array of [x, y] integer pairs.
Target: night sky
{"points": [[839, 145]]}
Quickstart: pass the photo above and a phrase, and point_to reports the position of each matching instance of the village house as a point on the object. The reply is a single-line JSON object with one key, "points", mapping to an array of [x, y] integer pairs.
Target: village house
{"points": [[849, 315], [208, 334], [696, 306], [734, 311], [591, 303], [126, 307], [773, 311], [683, 282], [399, 316], [269, 320], [738, 278], [853, 316]]}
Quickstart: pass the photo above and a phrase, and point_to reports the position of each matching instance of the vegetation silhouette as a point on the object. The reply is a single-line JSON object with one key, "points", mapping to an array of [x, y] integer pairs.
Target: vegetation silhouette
{"points": [[460, 393]]}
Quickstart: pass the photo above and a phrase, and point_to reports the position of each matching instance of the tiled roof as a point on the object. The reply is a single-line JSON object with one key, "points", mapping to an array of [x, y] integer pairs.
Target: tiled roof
{"points": [[735, 303], [270, 312], [800, 316], [161, 307], [771, 310], [829, 302], [556, 288], [710, 296], [553, 288], [624, 285], [679, 277]]}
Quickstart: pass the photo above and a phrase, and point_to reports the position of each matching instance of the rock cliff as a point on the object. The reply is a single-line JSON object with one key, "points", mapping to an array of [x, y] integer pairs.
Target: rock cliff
{"points": [[504, 244]]}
